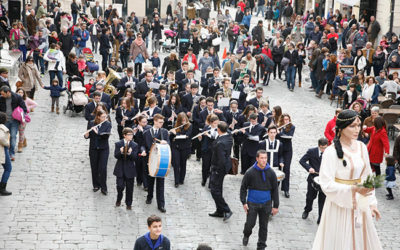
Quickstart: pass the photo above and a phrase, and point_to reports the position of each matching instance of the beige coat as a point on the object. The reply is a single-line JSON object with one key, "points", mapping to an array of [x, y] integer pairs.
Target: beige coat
{"points": [[136, 50], [29, 76], [227, 67], [4, 142]]}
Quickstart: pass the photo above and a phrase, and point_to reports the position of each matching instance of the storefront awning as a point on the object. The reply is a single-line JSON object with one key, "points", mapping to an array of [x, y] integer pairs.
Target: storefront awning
{"points": [[349, 2]]}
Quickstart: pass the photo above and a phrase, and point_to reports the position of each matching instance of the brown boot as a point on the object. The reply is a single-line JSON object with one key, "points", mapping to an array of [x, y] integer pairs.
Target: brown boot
{"points": [[25, 143], [332, 97], [320, 94], [58, 111], [20, 145], [52, 109], [299, 84]]}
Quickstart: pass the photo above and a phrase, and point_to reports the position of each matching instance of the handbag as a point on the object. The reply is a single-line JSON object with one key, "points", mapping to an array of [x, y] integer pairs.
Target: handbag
{"points": [[235, 166], [19, 115], [217, 41]]}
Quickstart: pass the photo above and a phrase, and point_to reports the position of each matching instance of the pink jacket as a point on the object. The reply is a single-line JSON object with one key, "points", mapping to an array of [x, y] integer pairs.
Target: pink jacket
{"points": [[30, 104]]}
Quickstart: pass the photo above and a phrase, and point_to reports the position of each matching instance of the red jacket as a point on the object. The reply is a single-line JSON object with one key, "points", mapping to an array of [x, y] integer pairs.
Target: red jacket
{"points": [[330, 130], [378, 144], [242, 5], [194, 60], [267, 52]]}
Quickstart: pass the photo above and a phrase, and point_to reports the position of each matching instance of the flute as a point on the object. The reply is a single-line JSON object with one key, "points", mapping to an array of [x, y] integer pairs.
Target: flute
{"points": [[200, 134], [139, 114], [266, 135], [95, 127], [169, 131], [237, 130]]}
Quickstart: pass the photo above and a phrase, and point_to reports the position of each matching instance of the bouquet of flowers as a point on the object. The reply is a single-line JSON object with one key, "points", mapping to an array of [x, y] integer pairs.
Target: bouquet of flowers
{"points": [[373, 181]]}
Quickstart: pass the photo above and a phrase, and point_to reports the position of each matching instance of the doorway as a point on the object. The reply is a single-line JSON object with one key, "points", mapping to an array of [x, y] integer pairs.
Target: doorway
{"points": [[150, 5]]}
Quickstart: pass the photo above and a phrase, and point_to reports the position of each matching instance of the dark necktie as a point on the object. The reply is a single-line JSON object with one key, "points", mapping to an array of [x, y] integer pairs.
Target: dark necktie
{"points": [[272, 145], [320, 155]]}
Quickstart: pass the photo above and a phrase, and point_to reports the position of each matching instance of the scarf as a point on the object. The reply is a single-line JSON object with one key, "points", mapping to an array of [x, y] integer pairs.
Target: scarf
{"points": [[158, 242], [262, 170], [139, 42]]}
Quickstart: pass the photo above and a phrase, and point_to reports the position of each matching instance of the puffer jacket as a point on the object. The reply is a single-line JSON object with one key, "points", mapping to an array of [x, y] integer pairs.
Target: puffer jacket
{"points": [[4, 142]]}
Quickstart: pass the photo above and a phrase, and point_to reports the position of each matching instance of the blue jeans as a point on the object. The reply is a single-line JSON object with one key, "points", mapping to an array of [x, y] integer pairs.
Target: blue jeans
{"points": [[260, 9], [231, 46], [314, 81], [39, 62], [59, 74], [23, 49], [12, 125], [290, 75], [7, 166], [78, 51], [74, 17]]}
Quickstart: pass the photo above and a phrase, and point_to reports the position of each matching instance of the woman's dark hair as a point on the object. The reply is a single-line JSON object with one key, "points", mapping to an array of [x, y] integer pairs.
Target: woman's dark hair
{"points": [[344, 119], [29, 58], [390, 160], [177, 100], [379, 123], [24, 95], [3, 118]]}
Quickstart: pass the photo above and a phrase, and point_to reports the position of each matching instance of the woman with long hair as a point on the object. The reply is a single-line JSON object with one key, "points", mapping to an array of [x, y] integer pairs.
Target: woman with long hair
{"points": [[275, 117], [285, 135], [331, 74], [206, 143], [300, 59], [30, 77], [105, 47], [124, 115], [349, 207], [171, 110], [30, 105], [23, 40], [100, 130], [181, 144], [138, 53]]}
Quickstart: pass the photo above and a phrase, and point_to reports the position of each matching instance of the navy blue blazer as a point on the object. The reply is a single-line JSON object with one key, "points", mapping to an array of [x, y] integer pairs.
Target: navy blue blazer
{"points": [[250, 146], [213, 87], [119, 114], [149, 137], [185, 81], [278, 156], [141, 91], [179, 77], [160, 103], [105, 98], [182, 143], [204, 114], [286, 138], [156, 110], [221, 157], [121, 85], [125, 166], [139, 138], [261, 117], [254, 102], [204, 85], [196, 119], [187, 102], [99, 140], [311, 159], [89, 108], [206, 142], [167, 113], [229, 117]]}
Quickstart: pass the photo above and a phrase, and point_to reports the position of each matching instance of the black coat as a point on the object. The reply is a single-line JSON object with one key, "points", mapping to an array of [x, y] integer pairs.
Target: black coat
{"points": [[158, 26], [221, 157], [66, 43], [187, 102], [16, 101], [89, 108], [125, 167], [254, 102], [278, 156], [104, 41], [149, 137], [167, 113], [120, 113], [172, 65], [122, 84], [311, 159], [99, 140], [160, 103], [142, 89], [204, 114], [182, 143], [250, 146], [139, 138], [72, 68]]}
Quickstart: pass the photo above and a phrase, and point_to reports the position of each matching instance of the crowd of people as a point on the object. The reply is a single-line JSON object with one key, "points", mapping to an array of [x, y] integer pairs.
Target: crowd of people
{"points": [[201, 104]]}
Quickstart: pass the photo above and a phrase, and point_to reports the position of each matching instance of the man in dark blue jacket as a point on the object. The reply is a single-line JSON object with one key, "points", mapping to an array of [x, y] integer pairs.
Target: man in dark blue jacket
{"points": [[126, 152], [153, 240], [311, 162], [259, 196]]}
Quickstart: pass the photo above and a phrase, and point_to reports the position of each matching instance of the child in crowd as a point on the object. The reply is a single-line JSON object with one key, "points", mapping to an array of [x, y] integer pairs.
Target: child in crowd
{"points": [[55, 91], [155, 60], [81, 63], [89, 86], [390, 179]]}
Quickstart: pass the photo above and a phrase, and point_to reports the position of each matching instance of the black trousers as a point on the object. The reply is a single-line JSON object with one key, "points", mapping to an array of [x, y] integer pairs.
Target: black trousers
{"points": [[141, 167], [119, 129], [278, 65], [196, 147], [138, 69], [98, 164], [236, 146], [216, 186], [205, 165], [287, 160], [262, 211], [159, 190], [310, 197], [179, 160], [377, 168], [247, 161], [123, 182]]}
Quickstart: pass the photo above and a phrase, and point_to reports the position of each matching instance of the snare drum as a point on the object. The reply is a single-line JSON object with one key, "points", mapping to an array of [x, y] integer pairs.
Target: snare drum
{"points": [[279, 174], [316, 184], [159, 160]]}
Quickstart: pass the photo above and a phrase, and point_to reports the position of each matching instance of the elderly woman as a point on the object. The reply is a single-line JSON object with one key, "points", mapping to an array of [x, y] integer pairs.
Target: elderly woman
{"points": [[30, 77], [371, 90], [369, 121], [138, 53]]}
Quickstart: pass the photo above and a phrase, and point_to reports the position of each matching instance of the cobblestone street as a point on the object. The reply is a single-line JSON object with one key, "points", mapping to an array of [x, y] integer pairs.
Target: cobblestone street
{"points": [[53, 205]]}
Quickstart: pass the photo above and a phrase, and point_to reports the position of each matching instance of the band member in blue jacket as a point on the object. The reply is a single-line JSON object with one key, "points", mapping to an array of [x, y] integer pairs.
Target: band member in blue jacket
{"points": [[259, 196], [180, 147], [141, 161], [100, 130], [253, 134], [153, 240], [206, 146], [156, 134], [123, 115], [285, 136], [273, 147], [125, 152], [311, 162]]}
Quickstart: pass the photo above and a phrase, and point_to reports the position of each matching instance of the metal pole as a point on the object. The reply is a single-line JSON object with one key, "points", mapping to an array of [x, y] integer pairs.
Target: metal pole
{"points": [[23, 13], [391, 16]]}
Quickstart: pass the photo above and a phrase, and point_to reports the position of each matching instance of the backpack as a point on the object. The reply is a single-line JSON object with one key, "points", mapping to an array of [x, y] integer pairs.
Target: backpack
{"points": [[288, 11]]}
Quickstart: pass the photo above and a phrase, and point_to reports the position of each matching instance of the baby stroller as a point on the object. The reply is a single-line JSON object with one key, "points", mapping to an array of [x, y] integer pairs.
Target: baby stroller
{"points": [[169, 44], [92, 65], [76, 96], [183, 47]]}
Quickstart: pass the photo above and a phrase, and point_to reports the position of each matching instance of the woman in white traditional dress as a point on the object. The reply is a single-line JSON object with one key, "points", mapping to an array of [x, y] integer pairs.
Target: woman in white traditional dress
{"points": [[347, 222]]}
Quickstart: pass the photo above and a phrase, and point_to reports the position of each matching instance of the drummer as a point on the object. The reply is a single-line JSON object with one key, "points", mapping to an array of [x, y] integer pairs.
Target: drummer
{"points": [[156, 134], [311, 162]]}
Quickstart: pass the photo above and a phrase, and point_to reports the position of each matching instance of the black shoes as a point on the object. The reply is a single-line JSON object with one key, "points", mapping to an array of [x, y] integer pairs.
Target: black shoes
{"points": [[176, 185], [118, 203], [162, 209], [245, 240], [390, 197], [128, 207], [287, 195], [96, 189], [104, 192], [148, 201], [3, 190], [319, 220], [203, 183], [227, 215], [216, 214], [304, 215]]}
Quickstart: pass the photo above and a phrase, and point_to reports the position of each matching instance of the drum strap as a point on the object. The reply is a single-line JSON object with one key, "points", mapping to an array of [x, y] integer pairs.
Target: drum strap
{"points": [[272, 150]]}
